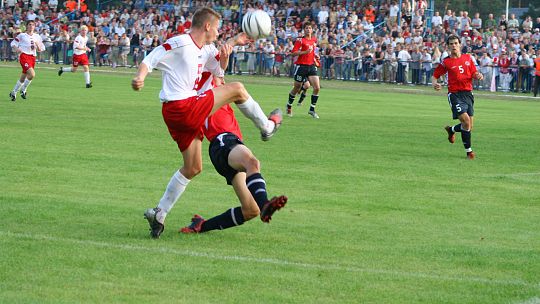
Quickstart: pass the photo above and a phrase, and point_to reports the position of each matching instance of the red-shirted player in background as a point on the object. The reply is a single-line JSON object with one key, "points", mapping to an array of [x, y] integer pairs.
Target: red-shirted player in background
{"points": [[461, 70], [26, 44], [306, 67]]}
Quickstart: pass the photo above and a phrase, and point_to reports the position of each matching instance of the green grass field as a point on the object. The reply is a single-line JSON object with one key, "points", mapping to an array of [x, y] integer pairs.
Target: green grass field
{"points": [[382, 209]]}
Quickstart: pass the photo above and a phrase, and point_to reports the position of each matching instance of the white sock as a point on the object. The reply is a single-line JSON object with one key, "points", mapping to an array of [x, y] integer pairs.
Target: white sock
{"points": [[66, 69], [25, 85], [17, 86], [87, 77], [252, 110], [174, 190]]}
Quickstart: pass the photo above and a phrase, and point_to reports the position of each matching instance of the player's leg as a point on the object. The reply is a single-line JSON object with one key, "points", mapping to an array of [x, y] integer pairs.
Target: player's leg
{"points": [[297, 86], [86, 70], [30, 74], [303, 90], [175, 188], [17, 87], [237, 93], [466, 125], [314, 82]]}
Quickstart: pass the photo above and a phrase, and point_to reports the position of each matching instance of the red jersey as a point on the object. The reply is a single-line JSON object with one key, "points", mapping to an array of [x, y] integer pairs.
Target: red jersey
{"points": [[537, 66], [460, 72], [303, 44], [220, 122]]}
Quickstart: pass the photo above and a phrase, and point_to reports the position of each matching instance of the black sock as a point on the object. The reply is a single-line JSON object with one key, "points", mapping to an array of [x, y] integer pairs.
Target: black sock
{"points": [[466, 138], [457, 128], [230, 218], [302, 96], [291, 100], [257, 187], [314, 99]]}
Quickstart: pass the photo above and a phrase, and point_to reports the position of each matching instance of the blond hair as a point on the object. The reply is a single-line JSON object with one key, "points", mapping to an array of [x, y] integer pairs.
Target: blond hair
{"points": [[83, 27], [203, 16]]}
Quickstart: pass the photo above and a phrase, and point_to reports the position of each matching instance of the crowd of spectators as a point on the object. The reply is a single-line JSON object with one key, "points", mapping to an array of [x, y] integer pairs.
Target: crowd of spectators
{"points": [[358, 40]]}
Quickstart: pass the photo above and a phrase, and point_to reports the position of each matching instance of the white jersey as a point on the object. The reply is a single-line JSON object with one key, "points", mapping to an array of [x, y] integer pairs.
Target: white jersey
{"points": [[181, 62], [28, 44], [79, 42]]}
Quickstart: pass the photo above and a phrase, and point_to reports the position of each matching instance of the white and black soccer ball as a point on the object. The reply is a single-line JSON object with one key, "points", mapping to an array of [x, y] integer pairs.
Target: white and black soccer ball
{"points": [[257, 24]]}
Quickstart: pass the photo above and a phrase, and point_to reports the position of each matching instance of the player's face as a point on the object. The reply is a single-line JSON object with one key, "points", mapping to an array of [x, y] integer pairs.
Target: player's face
{"points": [[213, 32], [454, 46], [308, 30], [30, 27], [83, 32]]}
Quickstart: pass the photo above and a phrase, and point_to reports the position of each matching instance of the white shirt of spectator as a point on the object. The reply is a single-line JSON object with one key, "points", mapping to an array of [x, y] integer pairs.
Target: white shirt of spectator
{"points": [[79, 42], [10, 3], [322, 16], [31, 16], [436, 21], [394, 10], [181, 66], [24, 42], [404, 57], [53, 3]]}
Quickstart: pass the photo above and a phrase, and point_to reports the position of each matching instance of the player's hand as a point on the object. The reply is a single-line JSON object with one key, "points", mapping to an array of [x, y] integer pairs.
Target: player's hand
{"points": [[137, 83], [478, 76], [437, 86], [225, 50], [242, 39]]}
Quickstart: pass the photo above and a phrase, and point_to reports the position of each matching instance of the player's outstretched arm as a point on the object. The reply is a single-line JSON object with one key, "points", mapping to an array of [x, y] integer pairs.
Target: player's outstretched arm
{"points": [[138, 81], [240, 39]]}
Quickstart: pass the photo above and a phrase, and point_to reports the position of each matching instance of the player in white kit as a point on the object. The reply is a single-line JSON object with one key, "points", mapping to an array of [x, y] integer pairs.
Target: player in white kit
{"points": [[79, 56], [26, 44], [181, 60]]}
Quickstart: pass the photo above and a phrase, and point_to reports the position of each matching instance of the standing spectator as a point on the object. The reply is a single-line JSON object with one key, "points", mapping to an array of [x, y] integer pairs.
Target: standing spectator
{"points": [[404, 58], [426, 62], [504, 72], [486, 67], [124, 49], [476, 22], [338, 54], [115, 50], [48, 43], [103, 45], [415, 65], [348, 56], [436, 20], [91, 44], [490, 23], [269, 57]]}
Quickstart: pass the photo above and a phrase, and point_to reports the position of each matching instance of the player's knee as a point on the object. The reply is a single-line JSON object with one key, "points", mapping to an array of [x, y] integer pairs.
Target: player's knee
{"points": [[250, 213], [192, 171], [252, 164]]}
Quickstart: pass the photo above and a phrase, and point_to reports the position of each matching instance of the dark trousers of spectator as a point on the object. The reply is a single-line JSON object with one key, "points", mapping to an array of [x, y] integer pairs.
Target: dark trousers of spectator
{"points": [[427, 74], [56, 52], [523, 81], [416, 76], [338, 70], [231, 64], [513, 86], [536, 85], [347, 71], [92, 55], [400, 77]]}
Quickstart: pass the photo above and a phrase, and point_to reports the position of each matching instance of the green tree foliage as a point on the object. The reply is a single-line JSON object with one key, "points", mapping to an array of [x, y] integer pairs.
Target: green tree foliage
{"points": [[484, 7]]}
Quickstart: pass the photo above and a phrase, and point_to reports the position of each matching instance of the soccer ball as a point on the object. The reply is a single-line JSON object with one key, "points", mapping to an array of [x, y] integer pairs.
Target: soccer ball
{"points": [[257, 24]]}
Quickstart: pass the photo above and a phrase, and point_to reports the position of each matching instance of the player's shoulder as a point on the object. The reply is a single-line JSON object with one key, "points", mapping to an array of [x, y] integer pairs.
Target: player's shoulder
{"points": [[180, 41]]}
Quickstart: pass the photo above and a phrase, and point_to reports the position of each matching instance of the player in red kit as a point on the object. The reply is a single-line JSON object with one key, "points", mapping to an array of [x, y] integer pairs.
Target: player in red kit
{"points": [[306, 67], [26, 44], [233, 160], [79, 56], [461, 70]]}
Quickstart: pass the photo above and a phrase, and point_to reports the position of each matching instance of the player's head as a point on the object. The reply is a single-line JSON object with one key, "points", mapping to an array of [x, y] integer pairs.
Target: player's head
{"points": [[207, 20], [83, 30], [308, 29], [30, 25], [454, 45]]}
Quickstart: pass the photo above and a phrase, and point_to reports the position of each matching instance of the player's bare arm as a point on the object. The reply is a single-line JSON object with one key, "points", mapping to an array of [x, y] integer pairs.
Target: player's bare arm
{"points": [[478, 76], [224, 52], [240, 39], [138, 81], [436, 85]]}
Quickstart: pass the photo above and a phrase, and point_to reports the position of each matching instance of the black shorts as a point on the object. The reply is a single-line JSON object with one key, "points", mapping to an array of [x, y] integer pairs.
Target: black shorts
{"points": [[304, 71], [461, 102], [219, 150]]}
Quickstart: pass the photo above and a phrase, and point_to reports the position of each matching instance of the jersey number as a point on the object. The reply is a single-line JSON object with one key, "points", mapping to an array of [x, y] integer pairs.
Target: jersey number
{"points": [[461, 70]]}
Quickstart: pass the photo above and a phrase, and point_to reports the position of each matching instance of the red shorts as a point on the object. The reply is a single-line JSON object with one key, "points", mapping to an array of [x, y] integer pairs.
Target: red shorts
{"points": [[27, 62], [185, 118], [80, 60]]}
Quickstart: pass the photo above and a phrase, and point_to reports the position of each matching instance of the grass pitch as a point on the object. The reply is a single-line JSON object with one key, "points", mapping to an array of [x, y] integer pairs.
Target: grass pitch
{"points": [[382, 209]]}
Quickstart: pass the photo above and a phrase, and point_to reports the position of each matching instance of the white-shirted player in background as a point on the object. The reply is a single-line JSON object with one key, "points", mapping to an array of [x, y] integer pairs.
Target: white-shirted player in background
{"points": [[79, 56], [181, 60], [26, 44]]}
